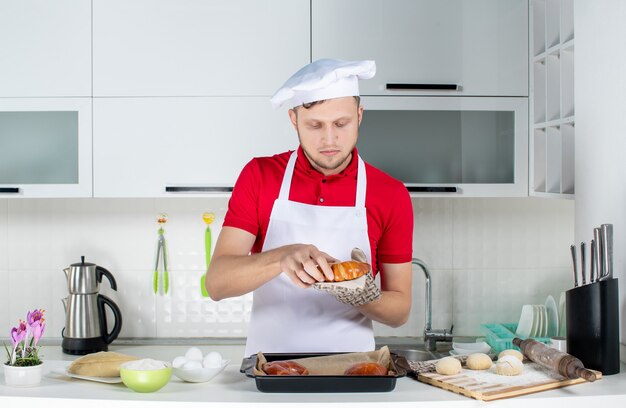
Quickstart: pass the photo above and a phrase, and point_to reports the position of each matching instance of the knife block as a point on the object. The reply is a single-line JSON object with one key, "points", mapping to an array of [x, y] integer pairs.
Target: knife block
{"points": [[592, 316]]}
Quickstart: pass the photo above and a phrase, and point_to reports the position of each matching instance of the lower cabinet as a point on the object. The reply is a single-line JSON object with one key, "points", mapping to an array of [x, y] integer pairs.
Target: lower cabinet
{"points": [[155, 147]]}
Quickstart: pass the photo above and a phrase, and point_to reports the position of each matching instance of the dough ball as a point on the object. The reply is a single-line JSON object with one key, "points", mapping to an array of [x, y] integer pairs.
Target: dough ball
{"points": [[478, 361], [511, 352], [509, 365], [213, 359], [194, 353], [448, 366]]}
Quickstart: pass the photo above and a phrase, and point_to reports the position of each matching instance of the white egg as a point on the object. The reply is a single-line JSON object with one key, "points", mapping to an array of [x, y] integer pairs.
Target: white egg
{"points": [[179, 361], [194, 353], [192, 365], [213, 359]]}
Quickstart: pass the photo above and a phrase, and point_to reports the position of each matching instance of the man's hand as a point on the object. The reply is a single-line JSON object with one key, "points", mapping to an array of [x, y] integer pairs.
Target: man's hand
{"points": [[300, 263]]}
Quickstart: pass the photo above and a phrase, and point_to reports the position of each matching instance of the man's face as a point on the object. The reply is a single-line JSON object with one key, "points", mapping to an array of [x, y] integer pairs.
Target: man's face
{"points": [[328, 132]]}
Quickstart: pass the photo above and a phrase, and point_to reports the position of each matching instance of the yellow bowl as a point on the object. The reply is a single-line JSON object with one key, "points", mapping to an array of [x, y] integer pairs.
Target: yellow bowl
{"points": [[145, 380]]}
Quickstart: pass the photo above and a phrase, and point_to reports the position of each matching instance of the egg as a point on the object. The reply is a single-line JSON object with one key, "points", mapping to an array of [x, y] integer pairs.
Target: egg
{"points": [[194, 353], [213, 359], [179, 361], [192, 365]]}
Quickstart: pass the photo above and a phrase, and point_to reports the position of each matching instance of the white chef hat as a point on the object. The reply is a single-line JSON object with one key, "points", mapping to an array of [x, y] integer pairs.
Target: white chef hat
{"points": [[323, 79]]}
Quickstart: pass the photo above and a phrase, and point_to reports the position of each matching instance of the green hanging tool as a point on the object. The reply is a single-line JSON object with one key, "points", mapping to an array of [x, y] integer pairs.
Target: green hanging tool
{"points": [[161, 255], [208, 218]]}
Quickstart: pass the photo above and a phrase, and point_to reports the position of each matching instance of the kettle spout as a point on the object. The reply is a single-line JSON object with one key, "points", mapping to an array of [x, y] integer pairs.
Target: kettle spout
{"points": [[67, 273], [64, 300]]}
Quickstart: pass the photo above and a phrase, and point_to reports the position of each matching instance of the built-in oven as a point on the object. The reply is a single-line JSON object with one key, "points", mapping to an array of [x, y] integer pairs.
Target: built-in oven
{"points": [[449, 146]]}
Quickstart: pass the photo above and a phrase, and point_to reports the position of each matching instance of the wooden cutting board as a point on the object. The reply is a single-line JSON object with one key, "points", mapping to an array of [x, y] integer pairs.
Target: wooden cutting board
{"points": [[487, 385]]}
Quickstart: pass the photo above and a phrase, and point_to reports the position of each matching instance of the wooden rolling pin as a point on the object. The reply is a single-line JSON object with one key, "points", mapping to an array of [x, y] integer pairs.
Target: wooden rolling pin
{"points": [[566, 365]]}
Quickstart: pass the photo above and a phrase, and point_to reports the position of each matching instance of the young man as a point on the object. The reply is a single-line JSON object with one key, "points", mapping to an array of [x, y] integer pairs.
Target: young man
{"points": [[296, 211]]}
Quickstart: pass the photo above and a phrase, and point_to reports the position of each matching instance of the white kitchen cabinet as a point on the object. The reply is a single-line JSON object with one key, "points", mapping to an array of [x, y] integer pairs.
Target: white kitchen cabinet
{"points": [[197, 47], [146, 146], [45, 48], [552, 99], [449, 146], [475, 47], [45, 147]]}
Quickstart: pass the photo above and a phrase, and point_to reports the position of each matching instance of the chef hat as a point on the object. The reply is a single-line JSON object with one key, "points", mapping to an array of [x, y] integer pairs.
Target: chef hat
{"points": [[323, 79]]}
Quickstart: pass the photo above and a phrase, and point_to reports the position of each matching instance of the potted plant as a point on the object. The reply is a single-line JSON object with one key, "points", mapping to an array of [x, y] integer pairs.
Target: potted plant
{"points": [[23, 367]]}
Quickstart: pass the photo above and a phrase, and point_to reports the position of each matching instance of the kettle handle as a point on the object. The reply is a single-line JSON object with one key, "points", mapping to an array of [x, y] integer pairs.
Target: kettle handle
{"points": [[109, 337], [100, 271]]}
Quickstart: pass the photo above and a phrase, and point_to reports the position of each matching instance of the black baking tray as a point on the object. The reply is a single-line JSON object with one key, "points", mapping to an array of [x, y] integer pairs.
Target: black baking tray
{"points": [[323, 383]]}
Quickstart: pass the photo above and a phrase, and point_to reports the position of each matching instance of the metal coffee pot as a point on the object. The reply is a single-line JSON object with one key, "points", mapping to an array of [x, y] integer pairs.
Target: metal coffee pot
{"points": [[84, 278], [86, 330]]}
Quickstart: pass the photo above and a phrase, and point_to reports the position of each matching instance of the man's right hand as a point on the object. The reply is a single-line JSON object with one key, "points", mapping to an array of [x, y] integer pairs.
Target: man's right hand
{"points": [[300, 263]]}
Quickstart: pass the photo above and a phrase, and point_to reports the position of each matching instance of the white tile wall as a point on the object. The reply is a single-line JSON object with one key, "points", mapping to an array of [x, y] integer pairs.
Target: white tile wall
{"points": [[487, 258]]}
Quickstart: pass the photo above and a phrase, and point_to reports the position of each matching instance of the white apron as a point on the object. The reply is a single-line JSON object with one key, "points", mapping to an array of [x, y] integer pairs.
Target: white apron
{"points": [[289, 319]]}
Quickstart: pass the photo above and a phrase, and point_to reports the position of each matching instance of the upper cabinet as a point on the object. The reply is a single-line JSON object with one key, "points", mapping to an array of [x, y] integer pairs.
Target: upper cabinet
{"points": [[45, 147], [426, 47], [156, 147], [197, 47], [45, 48]]}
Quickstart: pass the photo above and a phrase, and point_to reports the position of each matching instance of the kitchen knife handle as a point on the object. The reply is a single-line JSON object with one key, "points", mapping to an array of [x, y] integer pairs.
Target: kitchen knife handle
{"points": [[598, 238], [423, 87], [583, 262], [573, 251], [198, 189], [607, 250], [592, 264], [9, 190]]}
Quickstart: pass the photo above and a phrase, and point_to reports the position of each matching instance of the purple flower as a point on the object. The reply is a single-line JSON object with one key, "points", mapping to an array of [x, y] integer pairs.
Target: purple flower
{"points": [[18, 333], [35, 317], [38, 333]]}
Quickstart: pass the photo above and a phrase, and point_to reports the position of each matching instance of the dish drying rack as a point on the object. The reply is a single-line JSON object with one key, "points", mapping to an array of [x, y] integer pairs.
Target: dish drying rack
{"points": [[500, 336]]}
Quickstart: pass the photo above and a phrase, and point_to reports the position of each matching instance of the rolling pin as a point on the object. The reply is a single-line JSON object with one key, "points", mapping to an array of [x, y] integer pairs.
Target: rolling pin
{"points": [[566, 365]]}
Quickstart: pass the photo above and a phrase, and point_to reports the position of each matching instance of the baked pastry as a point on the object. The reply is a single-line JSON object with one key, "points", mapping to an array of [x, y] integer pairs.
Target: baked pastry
{"points": [[100, 364], [348, 270], [284, 368], [366, 369]]}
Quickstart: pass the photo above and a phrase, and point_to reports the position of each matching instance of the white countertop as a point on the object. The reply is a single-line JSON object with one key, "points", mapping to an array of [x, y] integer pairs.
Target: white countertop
{"points": [[232, 388]]}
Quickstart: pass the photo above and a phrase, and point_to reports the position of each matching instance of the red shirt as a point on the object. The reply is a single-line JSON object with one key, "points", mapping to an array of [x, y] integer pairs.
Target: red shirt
{"points": [[387, 201]]}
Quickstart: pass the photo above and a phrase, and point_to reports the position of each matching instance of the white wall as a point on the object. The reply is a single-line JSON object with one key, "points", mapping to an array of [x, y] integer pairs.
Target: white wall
{"points": [[487, 257], [600, 88]]}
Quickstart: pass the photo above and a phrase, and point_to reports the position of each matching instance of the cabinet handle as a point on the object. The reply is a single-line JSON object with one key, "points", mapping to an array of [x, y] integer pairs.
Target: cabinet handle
{"points": [[434, 189], [9, 190], [203, 189], [424, 87]]}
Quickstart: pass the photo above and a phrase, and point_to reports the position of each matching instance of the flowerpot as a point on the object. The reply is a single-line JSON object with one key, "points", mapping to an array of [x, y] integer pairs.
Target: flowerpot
{"points": [[22, 376]]}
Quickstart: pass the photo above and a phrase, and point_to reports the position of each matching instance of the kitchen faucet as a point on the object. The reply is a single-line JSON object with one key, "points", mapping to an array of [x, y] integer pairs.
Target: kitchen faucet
{"points": [[431, 336]]}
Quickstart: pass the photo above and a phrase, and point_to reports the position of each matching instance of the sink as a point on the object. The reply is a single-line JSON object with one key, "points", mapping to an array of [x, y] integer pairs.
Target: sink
{"points": [[416, 354]]}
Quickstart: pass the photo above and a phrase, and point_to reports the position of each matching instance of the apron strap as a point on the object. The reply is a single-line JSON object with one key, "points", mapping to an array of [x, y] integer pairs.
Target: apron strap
{"points": [[361, 180], [286, 185]]}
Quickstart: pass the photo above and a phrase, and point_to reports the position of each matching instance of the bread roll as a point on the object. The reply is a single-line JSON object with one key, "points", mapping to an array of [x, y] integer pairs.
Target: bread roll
{"points": [[366, 369], [284, 368], [348, 270], [100, 364]]}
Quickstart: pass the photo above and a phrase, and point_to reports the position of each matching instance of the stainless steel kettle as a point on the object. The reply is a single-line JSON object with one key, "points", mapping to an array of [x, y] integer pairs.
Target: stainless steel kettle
{"points": [[86, 329], [85, 278]]}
